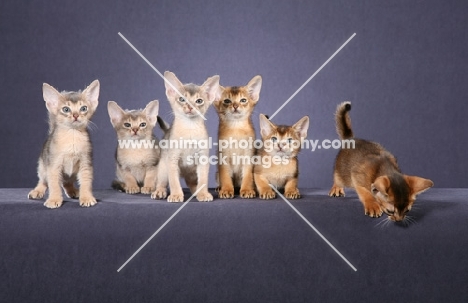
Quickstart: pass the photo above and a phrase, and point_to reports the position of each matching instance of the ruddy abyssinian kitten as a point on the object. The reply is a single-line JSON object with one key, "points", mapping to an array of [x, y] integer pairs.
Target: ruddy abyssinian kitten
{"points": [[235, 125], [189, 102], [66, 154], [281, 145], [373, 172], [136, 166]]}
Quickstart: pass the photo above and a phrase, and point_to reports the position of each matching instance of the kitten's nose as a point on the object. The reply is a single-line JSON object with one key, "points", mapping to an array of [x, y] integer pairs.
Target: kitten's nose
{"points": [[75, 116], [135, 130], [235, 106]]}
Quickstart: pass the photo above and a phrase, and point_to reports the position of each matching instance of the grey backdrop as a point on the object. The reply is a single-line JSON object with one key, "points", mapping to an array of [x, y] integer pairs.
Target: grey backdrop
{"points": [[405, 72]]}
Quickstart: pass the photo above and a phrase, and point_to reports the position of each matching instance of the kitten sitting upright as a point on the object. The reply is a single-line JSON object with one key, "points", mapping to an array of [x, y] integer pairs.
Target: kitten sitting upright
{"points": [[278, 164], [188, 129], [373, 172], [136, 164], [66, 155], [235, 125]]}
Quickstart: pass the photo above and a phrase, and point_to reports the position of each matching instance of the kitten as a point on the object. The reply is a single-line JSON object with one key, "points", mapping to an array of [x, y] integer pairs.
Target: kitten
{"points": [[188, 127], [66, 155], [136, 167], [278, 156], [235, 125], [373, 172]]}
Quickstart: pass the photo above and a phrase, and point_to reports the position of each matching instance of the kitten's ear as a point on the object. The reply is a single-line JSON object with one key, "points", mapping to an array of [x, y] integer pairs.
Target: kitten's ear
{"points": [[173, 86], [51, 97], [217, 101], [151, 110], [116, 113], [211, 88], [253, 87], [266, 127], [91, 94], [418, 184], [381, 184], [302, 126]]}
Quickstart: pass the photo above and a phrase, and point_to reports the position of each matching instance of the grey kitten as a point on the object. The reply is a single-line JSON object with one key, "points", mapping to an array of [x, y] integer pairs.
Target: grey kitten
{"points": [[66, 155]]}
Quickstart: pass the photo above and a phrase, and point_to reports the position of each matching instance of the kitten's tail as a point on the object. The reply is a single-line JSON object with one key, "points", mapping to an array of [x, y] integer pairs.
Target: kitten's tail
{"points": [[343, 121], [163, 125], [117, 186]]}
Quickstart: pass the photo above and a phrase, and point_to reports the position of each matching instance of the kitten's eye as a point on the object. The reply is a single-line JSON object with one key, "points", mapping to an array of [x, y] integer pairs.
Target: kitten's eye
{"points": [[406, 211], [274, 139], [142, 124], [390, 212], [243, 100], [66, 109], [199, 101], [127, 124], [181, 99], [84, 109], [227, 101]]}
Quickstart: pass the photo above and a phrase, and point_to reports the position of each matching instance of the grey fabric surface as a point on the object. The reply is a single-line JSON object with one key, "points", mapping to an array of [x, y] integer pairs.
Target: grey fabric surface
{"points": [[231, 250]]}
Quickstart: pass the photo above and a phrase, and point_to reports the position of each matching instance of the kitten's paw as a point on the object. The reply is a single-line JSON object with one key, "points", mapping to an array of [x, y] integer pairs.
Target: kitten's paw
{"points": [[158, 194], [147, 190], [72, 193], [226, 193], [373, 210], [336, 191], [217, 189], [247, 193], [132, 190], [87, 201], [268, 194], [292, 194], [204, 197], [35, 195], [175, 198], [53, 202]]}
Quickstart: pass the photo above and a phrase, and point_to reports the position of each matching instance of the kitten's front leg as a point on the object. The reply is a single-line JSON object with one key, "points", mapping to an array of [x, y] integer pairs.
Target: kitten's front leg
{"points": [[162, 179], [263, 187], [226, 187], [290, 189], [85, 179], [130, 184], [149, 184], [54, 179], [371, 207], [202, 174], [177, 195], [247, 190]]}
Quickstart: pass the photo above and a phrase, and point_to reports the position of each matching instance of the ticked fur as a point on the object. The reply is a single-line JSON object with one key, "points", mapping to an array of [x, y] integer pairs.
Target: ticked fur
{"points": [[235, 108], [66, 154], [374, 173], [136, 166], [188, 102], [281, 145]]}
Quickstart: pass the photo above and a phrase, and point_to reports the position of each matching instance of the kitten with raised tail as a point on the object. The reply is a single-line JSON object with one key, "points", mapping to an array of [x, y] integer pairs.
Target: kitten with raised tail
{"points": [[374, 173], [137, 156], [234, 109], [67, 152], [278, 164], [189, 102]]}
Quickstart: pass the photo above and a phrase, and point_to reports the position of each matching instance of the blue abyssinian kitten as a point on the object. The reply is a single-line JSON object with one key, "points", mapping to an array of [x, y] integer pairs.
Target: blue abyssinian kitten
{"points": [[278, 164], [374, 173], [235, 109], [67, 152], [189, 102], [137, 155]]}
